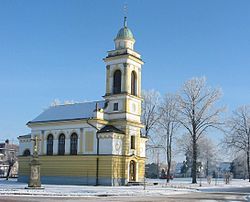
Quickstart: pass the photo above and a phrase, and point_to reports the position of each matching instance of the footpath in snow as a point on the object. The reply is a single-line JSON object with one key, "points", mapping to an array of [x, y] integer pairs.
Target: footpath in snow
{"points": [[155, 187]]}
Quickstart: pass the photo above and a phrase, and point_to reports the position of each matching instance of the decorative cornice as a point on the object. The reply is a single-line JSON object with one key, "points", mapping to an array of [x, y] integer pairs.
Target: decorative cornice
{"points": [[122, 94], [62, 122], [110, 135], [125, 55]]}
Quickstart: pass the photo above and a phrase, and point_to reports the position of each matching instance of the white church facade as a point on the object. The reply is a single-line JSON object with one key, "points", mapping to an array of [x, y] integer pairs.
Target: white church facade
{"points": [[99, 142]]}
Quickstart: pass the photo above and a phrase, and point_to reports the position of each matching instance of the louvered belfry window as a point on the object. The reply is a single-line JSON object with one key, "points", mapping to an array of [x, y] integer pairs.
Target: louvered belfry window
{"points": [[117, 82], [133, 83]]}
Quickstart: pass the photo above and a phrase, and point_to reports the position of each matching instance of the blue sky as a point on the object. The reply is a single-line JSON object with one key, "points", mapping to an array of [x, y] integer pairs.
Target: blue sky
{"points": [[54, 50]]}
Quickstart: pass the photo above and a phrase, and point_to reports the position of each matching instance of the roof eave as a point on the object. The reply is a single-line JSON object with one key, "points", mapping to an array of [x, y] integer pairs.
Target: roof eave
{"points": [[47, 121]]}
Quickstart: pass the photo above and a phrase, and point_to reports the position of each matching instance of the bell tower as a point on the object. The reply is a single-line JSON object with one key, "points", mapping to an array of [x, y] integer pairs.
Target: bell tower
{"points": [[123, 103], [123, 78]]}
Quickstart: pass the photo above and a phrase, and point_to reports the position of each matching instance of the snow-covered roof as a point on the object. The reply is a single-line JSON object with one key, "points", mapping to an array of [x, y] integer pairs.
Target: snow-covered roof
{"points": [[69, 112], [110, 128], [25, 136]]}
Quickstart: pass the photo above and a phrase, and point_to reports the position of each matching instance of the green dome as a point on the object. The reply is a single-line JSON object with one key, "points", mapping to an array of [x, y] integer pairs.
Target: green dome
{"points": [[125, 33]]}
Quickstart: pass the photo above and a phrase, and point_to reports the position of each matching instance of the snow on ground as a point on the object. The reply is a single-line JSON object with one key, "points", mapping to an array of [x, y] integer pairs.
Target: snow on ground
{"points": [[185, 183], [176, 186], [12, 187]]}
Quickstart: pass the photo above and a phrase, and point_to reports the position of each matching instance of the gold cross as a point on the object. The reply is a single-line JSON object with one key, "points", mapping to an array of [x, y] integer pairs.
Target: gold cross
{"points": [[125, 9], [35, 148]]}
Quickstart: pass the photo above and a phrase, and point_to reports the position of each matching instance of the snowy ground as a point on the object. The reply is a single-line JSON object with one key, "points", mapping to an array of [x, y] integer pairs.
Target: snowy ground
{"points": [[185, 183], [176, 186]]}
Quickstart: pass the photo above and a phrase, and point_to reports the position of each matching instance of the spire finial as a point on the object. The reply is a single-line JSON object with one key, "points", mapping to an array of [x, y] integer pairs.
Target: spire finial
{"points": [[125, 21], [125, 10]]}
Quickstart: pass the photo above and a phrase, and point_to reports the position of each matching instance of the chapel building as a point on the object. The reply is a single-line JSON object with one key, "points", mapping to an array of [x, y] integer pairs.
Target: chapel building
{"points": [[94, 143]]}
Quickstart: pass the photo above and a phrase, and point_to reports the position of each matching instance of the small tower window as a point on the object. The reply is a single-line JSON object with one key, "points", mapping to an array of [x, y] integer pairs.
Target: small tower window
{"points": [[73, 144], [50, 144], [61, 144], [132, 142], [115, 106], [133, 83], [117, 82]]}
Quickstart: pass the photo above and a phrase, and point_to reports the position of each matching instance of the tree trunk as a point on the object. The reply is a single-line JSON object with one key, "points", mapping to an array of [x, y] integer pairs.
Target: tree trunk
{"points": [[207, 169], [169, 142], [168, 171], [194, 162], [248, 165]]}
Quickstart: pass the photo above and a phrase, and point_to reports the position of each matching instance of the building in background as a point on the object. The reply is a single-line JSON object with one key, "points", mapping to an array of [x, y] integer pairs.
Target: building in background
{"points": [[8, 159], [224, 167], [239, 166], [99, 142]]}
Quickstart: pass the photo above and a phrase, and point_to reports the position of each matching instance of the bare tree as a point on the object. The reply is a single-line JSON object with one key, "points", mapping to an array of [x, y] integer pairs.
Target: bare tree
{"points": [[197, 113], [207, 154], [150, 112], [206, 151], [238, 135], [150, 117], [168, 125], [239, 165]]}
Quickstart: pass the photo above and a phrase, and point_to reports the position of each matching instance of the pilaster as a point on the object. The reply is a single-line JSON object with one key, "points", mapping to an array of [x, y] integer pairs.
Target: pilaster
{"points": [[108, 89], [42, 143], [55, 147], [67, 145], [81, 141]]}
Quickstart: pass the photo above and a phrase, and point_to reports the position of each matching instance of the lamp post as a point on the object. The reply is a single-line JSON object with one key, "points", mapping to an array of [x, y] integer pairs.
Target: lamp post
{"points": [[200, 170]]}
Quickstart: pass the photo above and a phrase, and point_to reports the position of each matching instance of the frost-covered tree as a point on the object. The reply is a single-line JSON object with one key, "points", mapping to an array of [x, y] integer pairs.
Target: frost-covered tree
{"points": [[237, 137], [150, 110], [198, 113], [239, 165], [150, 117], [207, 152], [168, 126]]}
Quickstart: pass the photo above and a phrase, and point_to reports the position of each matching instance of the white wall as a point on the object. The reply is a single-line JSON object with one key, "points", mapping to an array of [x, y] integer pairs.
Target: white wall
{"points": [[23, 145], [111, 143], [56, 129], [106, 145]]}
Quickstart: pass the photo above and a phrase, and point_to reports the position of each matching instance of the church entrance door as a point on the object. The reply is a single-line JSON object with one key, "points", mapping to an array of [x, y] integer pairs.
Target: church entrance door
{"points": [[132, 171]]}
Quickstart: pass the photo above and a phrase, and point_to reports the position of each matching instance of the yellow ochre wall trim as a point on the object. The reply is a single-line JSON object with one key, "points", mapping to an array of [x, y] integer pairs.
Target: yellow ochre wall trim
{"points": [[109, 166]]}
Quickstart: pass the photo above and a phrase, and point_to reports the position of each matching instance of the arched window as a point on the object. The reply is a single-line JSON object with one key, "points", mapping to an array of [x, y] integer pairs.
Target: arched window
{"points": [[117, 82], [73, 144], [61, 144], [26, 152], [50, 144], [133, 83]]}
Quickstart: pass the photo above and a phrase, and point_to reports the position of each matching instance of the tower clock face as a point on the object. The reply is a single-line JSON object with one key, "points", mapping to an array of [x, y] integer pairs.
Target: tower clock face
{"points": [[134, 107], [117, 146]]}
